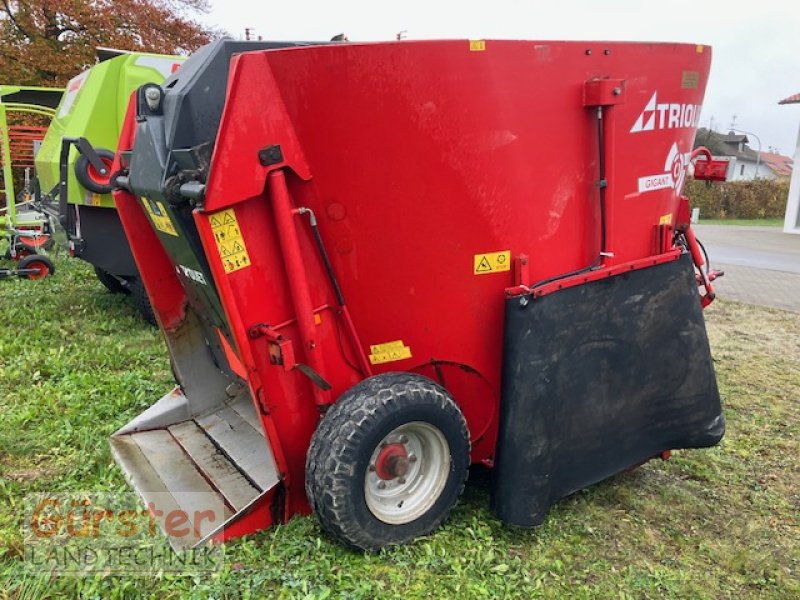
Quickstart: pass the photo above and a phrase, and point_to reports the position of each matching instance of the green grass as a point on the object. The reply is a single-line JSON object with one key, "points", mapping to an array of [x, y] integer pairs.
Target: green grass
{"points": [[76, 363], [743, 222]]}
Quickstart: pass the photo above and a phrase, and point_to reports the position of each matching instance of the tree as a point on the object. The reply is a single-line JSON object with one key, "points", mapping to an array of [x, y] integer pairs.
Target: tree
{"points": [[47, 42]]}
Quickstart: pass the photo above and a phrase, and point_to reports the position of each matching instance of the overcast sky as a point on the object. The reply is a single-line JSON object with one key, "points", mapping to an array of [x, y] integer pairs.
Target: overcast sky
{"points": [[756, 44]]}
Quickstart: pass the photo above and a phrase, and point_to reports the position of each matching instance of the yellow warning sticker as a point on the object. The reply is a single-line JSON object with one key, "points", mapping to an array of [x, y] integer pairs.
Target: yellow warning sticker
{"points": [[159, 217], [230, 243], [477, 45], [665, 220], [700, 48], [388, 352], [492, 262]]}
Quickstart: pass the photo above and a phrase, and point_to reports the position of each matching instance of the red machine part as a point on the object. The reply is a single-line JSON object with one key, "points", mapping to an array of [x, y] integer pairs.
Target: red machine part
{"points": [[598, 165], [21, 143]]}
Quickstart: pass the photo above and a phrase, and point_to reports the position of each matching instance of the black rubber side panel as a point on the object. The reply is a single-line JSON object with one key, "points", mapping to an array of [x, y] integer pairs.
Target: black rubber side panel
{"points": [[598, 378], [105, 244]]}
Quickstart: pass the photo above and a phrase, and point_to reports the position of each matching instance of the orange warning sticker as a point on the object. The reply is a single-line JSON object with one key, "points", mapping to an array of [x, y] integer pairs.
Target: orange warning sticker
{"points": [[491, 262], [388, 352], [229, 240]]}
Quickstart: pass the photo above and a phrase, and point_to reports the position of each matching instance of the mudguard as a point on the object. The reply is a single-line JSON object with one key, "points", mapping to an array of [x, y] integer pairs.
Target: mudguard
{"points": [[598, 378]]}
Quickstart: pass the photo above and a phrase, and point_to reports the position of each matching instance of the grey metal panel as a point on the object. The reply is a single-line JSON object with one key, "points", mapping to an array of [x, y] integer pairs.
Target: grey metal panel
{"points": [[171, 408], [245, 408], [237, 490], [246, 447], [153, 485]]}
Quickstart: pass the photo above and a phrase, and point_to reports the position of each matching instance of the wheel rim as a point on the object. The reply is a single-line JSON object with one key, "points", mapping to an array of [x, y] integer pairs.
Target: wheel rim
{"points": [[95, 175], [44, 271], [407, 473]]}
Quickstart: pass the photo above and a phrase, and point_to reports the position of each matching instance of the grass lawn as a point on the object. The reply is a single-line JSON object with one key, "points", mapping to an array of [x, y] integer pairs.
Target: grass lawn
{"points": [[743, 222], [76, 363]]}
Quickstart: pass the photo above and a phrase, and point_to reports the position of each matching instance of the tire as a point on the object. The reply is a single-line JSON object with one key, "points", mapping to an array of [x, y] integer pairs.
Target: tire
{"points": [[89, 178], [141, 300], [399, 430], [111, 283], [36, 261]]}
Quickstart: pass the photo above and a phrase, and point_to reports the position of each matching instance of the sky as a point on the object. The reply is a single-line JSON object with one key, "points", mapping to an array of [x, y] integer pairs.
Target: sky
{"points": [[756, 44]]}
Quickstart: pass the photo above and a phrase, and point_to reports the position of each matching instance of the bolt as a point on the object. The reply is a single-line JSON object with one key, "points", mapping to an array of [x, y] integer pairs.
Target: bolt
{"points": [[371, 467], [523, 301], [403, 439], [401, 480], [412, 458], [381, 485], [617, 91], [588, 51]]}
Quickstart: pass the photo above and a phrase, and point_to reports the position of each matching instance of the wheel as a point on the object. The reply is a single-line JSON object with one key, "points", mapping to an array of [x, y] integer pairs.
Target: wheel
{"points": [[141, 300], [90, 178], [111, 283], [388, 461], [43, 266]]}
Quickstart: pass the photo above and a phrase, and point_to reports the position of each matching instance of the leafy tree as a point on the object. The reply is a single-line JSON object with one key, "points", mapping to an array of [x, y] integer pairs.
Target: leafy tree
{"points": [[46, 42]]}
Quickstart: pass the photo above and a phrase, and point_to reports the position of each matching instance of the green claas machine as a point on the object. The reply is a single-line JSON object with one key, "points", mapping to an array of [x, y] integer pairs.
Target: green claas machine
{"points": [[25, 233], [74, 164]]}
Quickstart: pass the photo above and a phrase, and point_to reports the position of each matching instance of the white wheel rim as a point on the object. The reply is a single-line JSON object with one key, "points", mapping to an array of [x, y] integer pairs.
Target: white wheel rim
{"points": [[402, 498]]}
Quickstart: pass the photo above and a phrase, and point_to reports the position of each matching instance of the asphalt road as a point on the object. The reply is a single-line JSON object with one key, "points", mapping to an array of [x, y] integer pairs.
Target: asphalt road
{"points": [[757, 247], [761, 264]]}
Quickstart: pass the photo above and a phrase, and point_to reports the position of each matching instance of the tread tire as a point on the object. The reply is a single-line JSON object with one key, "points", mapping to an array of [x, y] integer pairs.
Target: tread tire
{"points": [[111, 283], [26, 261], [82, 173], [343, 443], [141, 300]]}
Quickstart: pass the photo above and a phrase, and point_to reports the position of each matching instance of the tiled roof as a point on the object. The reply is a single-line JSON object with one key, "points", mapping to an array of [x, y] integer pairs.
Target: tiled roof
{"points": [[791, 100], [780, 165]]}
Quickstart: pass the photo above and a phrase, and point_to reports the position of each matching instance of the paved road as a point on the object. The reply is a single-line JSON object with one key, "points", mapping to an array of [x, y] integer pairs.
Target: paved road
{"points": [[761, 264]]}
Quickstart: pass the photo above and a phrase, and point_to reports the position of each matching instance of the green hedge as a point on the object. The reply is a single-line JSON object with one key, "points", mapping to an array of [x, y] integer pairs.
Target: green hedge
{"points": [[758, 199]]}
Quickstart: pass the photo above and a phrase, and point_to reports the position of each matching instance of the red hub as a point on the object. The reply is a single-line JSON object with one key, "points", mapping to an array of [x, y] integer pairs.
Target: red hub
{"points": [[392, 462], [44, 270], [95, 175]]}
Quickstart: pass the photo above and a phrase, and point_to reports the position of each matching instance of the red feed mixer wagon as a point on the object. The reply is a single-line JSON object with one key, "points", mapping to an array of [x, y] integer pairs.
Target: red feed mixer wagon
{"points": [[375, 265]]}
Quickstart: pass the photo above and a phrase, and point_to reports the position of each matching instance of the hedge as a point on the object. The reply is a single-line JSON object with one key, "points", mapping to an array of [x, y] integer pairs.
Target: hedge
{"points": [[757, 199]]}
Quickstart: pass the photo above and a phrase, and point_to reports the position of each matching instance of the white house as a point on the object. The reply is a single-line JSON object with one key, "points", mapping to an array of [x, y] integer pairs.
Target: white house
{"points": [[745, 164], [791, 222]]}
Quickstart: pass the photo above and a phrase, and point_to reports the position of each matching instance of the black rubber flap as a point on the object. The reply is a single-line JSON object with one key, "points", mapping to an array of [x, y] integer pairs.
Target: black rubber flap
{"points": [[599, 378]]}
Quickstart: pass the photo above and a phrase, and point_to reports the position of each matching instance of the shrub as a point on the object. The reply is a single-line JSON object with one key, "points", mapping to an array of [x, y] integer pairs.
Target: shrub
{"points": [[757, 199]]}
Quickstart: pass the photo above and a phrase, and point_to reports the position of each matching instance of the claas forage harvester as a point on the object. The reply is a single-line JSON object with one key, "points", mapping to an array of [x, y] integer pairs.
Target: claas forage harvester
{"points": [[375, 265]]}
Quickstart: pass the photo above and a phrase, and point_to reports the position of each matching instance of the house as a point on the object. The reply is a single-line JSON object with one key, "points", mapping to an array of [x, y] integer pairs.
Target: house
{"points": [[745, 163], [791, 222], [780, 165]]}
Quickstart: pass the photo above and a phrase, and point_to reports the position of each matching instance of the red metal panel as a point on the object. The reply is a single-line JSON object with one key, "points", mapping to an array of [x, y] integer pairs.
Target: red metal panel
{"points": [[711, 170], [427, 163], [424, 155]]}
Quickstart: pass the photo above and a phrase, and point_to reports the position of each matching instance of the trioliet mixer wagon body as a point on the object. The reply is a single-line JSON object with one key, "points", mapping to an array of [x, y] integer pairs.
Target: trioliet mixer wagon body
{"points": [[377, 264]]}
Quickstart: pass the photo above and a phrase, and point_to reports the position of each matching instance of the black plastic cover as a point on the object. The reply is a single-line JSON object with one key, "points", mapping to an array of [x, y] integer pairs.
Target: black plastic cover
{"points": [[599, 378], [104, 242], [196, 92]]}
